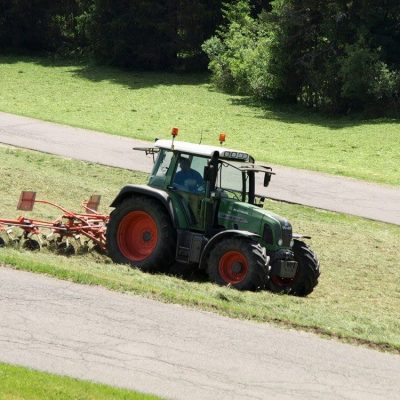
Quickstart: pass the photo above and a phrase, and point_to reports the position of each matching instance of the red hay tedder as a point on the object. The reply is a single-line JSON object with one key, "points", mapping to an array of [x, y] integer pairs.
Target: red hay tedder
{"points": [[70, 233]]}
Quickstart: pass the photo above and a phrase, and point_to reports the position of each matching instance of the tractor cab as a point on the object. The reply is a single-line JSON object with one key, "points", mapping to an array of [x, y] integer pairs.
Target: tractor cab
{"points": [[200, 208], [200, 177], [189, 167]]}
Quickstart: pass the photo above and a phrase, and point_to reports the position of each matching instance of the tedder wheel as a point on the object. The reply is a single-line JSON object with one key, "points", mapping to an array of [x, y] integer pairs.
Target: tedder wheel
{"points": [[238, 262], [140, 234], [306, 277], [31, 244]]}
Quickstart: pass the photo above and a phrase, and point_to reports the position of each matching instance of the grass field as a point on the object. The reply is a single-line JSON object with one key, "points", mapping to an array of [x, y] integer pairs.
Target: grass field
{"points": [[357, 299], [147, 105], [18, 383]]}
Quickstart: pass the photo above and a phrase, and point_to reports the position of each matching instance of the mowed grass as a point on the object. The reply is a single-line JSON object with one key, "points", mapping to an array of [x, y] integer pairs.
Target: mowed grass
{"points": [[357, 299], [18, 383], [146, 105]]}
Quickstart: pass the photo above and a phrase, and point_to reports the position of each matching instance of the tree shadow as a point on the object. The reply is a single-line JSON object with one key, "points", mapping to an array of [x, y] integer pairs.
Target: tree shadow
{"points": [[138, 79], [129, 78], [295, 114]]}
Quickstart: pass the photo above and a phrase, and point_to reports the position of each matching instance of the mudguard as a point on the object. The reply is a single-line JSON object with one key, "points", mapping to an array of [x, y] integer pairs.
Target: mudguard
{"points": [[144, 190], [230, 233]]}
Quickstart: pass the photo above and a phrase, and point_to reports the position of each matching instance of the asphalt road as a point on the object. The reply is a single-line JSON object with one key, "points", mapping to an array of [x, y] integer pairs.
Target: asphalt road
{"points": [[175, 352], [378, 202]]}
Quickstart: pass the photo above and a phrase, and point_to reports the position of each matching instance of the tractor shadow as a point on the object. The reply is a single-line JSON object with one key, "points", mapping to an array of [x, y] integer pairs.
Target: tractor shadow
{"points": [[187, 273]]}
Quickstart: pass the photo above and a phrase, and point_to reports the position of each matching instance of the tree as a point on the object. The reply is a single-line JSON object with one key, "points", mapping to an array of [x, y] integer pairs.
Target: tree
{"points": [[336, 55], [37, 25], [152, 34]]}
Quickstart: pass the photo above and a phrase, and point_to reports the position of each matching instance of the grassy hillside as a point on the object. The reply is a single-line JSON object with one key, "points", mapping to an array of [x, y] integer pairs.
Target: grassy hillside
{"points": [[357, 299], [18, 383], [146, 105]]}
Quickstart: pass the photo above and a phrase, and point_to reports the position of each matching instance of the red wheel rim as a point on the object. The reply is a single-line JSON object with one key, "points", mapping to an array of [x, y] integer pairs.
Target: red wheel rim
{"points": [[233, 267], [137, 235]]}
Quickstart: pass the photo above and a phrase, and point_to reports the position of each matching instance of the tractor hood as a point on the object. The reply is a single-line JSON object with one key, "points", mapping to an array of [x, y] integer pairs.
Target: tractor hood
{"points": [[274, 230]]}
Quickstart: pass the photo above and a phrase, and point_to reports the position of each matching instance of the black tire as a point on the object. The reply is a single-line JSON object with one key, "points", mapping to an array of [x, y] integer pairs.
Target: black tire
{"points": [[238, 262], [140, 234], [31, 245], [66, 249], [306, 277]]}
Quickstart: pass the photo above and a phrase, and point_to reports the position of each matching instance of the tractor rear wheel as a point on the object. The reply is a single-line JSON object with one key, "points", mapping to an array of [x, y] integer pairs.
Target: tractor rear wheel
{"points": [[306, 277], [140, 234], [240, 263]]}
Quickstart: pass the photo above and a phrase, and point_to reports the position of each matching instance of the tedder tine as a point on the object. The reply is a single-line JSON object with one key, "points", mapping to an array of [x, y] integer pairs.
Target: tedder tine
{"points": [[86, 230]]}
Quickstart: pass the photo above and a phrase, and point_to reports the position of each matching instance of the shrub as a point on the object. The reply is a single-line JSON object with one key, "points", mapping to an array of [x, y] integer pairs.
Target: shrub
{"points": [[240, 54], [367, 82]]}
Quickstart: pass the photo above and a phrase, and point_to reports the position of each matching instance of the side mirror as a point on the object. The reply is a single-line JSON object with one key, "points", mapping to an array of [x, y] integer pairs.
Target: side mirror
{"points": [[267, 179]]}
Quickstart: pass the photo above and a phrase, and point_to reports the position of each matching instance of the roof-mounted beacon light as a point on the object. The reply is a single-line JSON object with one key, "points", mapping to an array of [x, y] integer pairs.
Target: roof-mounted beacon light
{"points": [[222, 137], [174, 134]]}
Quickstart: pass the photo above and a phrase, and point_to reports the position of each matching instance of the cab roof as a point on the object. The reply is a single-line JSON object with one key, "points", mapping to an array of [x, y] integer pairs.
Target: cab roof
{"points": [[204, 150]]}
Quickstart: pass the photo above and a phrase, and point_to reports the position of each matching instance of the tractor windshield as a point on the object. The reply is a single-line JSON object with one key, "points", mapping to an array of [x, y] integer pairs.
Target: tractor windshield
{"points": [[232, 181], [189, 173], [182, 171]]}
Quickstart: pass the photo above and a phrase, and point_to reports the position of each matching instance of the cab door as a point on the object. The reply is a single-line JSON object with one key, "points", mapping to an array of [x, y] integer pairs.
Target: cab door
{"points": [[191, 195]]}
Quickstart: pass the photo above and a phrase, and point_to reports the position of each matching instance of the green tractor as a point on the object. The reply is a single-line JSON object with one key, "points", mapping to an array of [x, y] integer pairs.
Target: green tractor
{"points": [[200, 208]]}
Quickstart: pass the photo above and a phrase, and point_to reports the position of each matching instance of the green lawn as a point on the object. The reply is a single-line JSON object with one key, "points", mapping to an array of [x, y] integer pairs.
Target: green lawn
{"points": [[146, 105], [18, 383], [357, 299]]}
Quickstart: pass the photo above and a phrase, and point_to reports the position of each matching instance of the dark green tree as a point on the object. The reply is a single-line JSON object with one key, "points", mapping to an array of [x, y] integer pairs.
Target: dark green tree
{"points": [[152, 34], [196, 21], [38, 25], [133, 33]]}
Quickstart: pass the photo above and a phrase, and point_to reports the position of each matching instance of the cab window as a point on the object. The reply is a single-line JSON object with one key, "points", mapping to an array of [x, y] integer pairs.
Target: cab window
{"points": [[189, 173], [160, 170]]}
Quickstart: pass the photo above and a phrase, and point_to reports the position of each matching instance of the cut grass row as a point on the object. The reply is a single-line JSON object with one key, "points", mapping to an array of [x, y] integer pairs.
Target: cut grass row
{"points": [[146, 105], [18, 383], [357, 299]]}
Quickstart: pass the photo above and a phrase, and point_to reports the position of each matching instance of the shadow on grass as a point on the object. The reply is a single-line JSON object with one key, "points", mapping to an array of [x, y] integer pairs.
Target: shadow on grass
{"points": [[294, 114], [132, 79], [136, 79], [189, 273]]}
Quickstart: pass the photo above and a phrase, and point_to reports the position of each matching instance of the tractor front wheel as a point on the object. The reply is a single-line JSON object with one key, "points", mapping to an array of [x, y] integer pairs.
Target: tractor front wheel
{"points": [[240, 263], [306, 277], [140, 234]]}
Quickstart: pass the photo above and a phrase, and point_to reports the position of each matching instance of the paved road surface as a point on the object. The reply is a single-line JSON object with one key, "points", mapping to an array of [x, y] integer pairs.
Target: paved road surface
{"points": [[346, 195], [122, 340]]}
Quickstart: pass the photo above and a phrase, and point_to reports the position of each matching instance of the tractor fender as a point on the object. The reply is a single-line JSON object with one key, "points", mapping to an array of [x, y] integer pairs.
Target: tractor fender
{"points": [[230, 233], [144, 190]]}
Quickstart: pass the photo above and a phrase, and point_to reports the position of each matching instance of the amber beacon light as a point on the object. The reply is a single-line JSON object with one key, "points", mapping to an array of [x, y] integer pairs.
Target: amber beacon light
{"points": [[174, 132]]}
